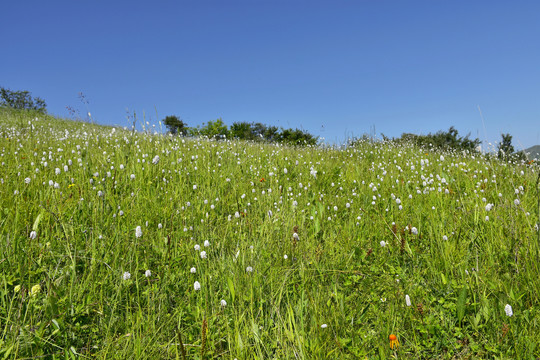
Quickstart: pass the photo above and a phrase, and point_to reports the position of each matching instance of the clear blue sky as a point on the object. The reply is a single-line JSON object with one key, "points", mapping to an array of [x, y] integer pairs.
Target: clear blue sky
{"points": [[335, 68]]}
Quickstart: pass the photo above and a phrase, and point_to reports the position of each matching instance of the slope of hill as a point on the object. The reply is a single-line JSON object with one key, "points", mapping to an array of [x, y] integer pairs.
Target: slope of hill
{"points": [[120, 244], [533, 152]]}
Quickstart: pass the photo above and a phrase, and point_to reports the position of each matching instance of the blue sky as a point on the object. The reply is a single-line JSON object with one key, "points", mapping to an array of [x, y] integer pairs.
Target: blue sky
{"points": [[334, 68]]}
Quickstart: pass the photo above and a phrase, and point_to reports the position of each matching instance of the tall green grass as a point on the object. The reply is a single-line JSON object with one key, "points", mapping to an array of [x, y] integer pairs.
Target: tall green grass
{"points": [[295, 249]]}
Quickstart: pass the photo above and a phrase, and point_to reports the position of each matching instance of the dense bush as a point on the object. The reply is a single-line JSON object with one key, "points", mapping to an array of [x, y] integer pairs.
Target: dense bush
{"points": [[175, 125], [444, 140], [21, 100]]}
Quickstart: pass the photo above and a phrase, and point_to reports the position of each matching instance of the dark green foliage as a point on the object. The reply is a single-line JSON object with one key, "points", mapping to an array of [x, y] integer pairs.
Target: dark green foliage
{"points": [[505, 147], [296, 137], [175, 125], [506, 150], [213, 129], [261, 132], [447, 140], [21, 100], [255, 132]]}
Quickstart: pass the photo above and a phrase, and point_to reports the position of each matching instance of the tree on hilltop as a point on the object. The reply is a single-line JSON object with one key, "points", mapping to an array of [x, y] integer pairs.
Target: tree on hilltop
{"points": [[22, 100], [175, 125]]}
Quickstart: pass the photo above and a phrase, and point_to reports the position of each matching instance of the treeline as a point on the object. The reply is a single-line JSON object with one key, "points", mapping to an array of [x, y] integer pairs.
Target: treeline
{"points": [[451, 140], [217, 129], [444, 140]]}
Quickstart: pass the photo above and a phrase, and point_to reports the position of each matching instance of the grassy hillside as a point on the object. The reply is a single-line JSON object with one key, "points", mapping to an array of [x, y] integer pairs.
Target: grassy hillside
{"points": [[119, 244]]}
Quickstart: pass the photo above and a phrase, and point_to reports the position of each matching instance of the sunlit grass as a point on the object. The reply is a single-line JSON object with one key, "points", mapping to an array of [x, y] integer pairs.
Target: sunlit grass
{"points": [[310, 252]]}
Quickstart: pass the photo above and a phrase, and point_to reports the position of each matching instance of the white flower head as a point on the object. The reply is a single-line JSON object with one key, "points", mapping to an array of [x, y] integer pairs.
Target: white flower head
{"points": [[147, 273], [138, 232], [126, 276], [223, 303], [407, 300], [414, 231], [155, 160], [33, 235], [197, 247], [193, 270], [206, 243], [249, 269], [197, 286], [383, 243], [324, 326], [508, 310], [203, 254]]}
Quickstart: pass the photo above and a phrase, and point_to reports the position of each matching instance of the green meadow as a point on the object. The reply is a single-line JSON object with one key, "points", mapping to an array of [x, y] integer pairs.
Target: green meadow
{"points": [[122, 244]]}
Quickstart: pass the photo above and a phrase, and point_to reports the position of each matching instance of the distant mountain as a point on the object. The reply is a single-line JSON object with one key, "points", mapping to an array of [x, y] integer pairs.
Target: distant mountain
{"points": [[533, 152]]}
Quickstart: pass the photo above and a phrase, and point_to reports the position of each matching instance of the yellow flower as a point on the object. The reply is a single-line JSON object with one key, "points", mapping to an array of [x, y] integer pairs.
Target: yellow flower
{"points": [[36, 289], [394, 343]]}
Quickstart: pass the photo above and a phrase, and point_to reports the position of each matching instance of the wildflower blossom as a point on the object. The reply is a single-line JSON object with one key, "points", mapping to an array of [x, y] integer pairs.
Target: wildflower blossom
{"points": [[206, 243], [193, 270], [33, 235], [126, 276], [508, 310], [394, 343], [407, 300], [147, 273], [383, 243], [223, 303], [197, 286], [324, 326], [203, 254], [249, 269], [138, 232]]}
